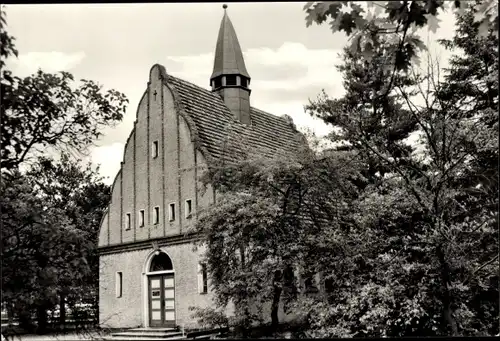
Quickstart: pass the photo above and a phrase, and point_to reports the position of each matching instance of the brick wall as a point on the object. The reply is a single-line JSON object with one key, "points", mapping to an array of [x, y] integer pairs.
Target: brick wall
{"points": [[145, 182], [128, 311]]}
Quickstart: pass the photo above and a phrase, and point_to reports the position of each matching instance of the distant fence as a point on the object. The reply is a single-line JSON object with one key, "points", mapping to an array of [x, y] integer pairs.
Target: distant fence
{"points": [[12, 327]]}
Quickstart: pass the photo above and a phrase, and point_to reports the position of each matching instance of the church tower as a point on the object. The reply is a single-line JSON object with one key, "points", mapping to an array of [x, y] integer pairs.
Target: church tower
{"points": [[230, 78]]}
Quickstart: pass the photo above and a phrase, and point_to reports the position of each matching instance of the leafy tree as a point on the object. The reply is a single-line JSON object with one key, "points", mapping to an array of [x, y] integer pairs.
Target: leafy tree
{"points": [[49, 110], [80, 193], [418, 223], [393, 25], [51, 211], [7, 47], [51, 216], [39, 246], [267, 223]]}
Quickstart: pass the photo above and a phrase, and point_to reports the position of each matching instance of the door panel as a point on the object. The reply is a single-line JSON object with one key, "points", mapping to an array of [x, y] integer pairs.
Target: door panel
{"points": [[156, 304], [155, 300], [162, 301], [169, 300], [156, 317], [169, 315], [169, 304]]}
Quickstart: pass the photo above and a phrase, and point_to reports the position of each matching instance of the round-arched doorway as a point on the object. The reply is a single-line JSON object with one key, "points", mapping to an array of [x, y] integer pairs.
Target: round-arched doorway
{"points": [[161, 291]]}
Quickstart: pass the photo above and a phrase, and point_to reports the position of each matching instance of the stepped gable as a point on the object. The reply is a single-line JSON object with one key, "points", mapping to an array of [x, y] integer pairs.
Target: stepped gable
{"points": [[221, 135]]}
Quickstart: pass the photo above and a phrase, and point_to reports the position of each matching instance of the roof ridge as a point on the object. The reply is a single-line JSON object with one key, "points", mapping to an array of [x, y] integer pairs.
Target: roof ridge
{"points": [[209, 92], [189, 83], [265, 112], [285, 118], [215, 125]]}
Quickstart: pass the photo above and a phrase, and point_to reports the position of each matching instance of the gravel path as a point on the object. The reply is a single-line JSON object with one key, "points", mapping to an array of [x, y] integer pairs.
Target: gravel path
{"points": [[57, 337]]}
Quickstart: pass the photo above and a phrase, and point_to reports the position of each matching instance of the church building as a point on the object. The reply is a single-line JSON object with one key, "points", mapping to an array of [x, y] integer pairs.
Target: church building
{"points": [[150, 274]]}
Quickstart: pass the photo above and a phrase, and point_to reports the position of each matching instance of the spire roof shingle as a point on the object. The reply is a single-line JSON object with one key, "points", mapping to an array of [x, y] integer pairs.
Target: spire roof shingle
{"points": [[228, 56]]}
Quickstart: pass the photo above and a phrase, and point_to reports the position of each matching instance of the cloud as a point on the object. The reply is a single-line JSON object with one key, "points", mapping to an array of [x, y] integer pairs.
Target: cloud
{"points": [[50, 62], [292, 66], [280, 71], [283, 79], [109, 158]]}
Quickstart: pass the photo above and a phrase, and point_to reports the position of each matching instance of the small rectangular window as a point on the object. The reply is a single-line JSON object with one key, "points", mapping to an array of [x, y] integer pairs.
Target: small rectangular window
{"points": [[329, 285], [156, 215], [141, 218], [127, 221], [310, 283], [154, 151], [188, 208], [118, 282], [204, 277], [244, 82], [217, 83], [171, 212]]}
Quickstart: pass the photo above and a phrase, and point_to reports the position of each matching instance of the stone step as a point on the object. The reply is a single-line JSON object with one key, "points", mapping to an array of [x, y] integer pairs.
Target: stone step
{"points": [[150, 334], [151, 329], [142, 338]]}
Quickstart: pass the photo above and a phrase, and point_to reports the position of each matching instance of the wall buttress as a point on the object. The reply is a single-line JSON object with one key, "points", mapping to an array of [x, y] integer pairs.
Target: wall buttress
{"points": [[163, 148], [148, 142]]}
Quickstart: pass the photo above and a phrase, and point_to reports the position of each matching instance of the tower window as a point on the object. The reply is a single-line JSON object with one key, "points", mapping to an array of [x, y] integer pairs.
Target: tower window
{"points": [[231, 80], [171, 212], [127, 221], [188, 208], [154, 150], [244, 82], [217, 82], [141, 218], [157, 215]]}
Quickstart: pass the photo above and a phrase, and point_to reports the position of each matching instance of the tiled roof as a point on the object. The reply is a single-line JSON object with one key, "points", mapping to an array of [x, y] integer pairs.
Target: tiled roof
{"points": [[222, 136]]}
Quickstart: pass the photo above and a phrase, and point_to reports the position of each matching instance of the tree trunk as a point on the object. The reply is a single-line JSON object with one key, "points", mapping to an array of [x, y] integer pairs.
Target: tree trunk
{"points": [[276, 300], [41, 319], [25, 321], [62, 310], [447, 300]]}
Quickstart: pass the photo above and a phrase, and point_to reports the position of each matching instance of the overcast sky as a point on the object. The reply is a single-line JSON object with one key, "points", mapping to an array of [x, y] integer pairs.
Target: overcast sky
{"points": [[117, 44]]}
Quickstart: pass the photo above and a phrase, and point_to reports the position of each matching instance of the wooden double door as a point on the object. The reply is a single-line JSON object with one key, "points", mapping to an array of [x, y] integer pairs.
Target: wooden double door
{"points": [[161, 300]]}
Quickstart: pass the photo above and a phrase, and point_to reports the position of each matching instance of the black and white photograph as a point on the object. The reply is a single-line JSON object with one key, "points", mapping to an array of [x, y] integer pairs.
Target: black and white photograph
{"points": [[267, 170]]}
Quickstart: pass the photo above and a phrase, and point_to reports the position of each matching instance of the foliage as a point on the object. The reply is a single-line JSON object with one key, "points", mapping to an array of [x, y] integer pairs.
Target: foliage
{"points": [[209, 317], [50, 221], [267, 220], [79, 192], [7, 47], [37, 243], [49, 110], [51, 210], [426, 255], [389, 28]]}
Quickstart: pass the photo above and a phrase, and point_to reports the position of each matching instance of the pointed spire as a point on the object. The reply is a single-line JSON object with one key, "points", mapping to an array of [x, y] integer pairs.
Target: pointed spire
{"points": [[228, 56]]}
